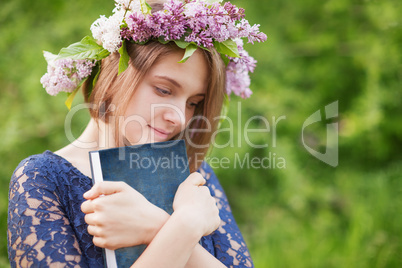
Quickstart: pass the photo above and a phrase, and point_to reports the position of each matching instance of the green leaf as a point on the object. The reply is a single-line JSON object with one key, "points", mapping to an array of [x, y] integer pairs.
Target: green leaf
{"points": [[149, 7], [224, 111], [228, 47], [123, 24], [190, 49], [87, 48], [182, 44], [71, 95], [69, 100], [162, 40], [124, 58], [145, 8], [98, 70], [204, 48], [93, 78], [49, 57], [225, 59]]}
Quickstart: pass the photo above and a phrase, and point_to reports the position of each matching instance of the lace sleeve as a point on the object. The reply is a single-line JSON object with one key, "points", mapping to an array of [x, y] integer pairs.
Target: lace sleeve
{"points": [[39, 233], [228, 242]]}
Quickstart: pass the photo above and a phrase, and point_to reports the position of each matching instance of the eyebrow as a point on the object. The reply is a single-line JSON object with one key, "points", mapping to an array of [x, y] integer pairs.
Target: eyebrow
{"points": [[175, 83]]}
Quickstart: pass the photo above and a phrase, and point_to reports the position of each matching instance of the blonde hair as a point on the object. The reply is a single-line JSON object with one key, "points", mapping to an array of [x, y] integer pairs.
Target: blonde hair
{"points": [[118, 89]]}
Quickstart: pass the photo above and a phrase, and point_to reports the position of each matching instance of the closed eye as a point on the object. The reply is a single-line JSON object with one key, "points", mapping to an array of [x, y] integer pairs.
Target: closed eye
{"points": [[162, 91], [193, 104]]}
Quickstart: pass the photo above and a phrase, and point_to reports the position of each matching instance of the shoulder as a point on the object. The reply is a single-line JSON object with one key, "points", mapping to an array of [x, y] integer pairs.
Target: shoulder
{"points": [[32, 170], [43, 162], [38, 159], [41, 168], [47, 176]]}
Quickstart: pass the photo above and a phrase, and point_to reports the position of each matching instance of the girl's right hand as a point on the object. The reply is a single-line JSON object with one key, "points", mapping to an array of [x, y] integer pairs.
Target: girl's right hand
{"points": [[119, 216], [197, 207]]}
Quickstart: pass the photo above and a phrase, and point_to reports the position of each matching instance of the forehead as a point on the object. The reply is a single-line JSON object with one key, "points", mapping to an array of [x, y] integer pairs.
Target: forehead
{"points": [[190, 75]]}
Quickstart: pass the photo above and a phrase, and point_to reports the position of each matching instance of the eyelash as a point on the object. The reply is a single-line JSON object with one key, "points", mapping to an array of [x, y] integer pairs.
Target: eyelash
{"points": [[192, 104], [162, 91], [166, 92]]}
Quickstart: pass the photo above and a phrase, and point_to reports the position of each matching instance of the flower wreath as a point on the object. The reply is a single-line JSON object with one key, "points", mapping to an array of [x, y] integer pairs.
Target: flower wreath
{"points": [[190, 25]]}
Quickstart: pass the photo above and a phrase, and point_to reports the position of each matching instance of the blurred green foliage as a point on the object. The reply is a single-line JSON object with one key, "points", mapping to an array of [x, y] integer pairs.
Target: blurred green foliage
{"points": [[307, 214]]}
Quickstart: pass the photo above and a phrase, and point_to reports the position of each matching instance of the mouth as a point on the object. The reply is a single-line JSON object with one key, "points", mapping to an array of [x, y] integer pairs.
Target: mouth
{"points": [[160, 132]]}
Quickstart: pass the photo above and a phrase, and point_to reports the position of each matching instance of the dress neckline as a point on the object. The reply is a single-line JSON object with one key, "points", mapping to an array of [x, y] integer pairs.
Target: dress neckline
{"points": [[68, 163]]}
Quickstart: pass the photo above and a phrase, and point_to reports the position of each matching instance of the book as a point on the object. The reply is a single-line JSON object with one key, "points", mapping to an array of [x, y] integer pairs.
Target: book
{"points": [[155, 170]]}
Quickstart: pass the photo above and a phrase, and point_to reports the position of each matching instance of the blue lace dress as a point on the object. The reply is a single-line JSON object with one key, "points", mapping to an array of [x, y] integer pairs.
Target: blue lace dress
{"points": [[46, 226]]}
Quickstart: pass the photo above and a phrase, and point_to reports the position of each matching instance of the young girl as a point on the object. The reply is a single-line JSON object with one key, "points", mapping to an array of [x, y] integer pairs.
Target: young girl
{"points": [[139, 89]]}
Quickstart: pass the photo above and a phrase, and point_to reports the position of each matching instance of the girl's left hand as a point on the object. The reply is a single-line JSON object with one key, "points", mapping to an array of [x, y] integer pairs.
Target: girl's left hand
{"points": [[119, 216]]}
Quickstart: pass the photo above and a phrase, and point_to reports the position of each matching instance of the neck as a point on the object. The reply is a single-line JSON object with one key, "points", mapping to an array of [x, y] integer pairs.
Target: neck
{"points": [[96, 136]]}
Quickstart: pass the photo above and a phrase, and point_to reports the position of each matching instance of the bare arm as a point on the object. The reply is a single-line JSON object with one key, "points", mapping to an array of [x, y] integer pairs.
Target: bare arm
{"points": [[201, 258], [176, 244]]}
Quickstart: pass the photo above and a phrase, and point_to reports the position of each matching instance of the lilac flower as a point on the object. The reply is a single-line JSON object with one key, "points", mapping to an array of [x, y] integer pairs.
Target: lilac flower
{"points": [[55, 81], [237, 72], [237, 81], [107, 31], [137, 29], [234, 12], [251, 32], [203, 22], [195, 21], [84, 68], [128, 4], [173, 26], [191, 9], [65, 74]]}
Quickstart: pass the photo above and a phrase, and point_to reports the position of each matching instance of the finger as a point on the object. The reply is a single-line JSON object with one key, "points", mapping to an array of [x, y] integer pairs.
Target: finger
{"points": [[205, 190], [196, 179], [104, 188], [87, 207], [93, 230], [218, 222], [91, 219], [99, 241], [103, 243]]}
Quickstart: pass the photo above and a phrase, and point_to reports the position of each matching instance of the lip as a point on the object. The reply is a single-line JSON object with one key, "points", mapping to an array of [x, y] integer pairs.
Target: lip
{"points": [[160, 132]]}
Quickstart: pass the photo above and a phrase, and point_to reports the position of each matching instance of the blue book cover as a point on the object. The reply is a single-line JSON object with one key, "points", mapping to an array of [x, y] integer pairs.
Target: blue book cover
{"points": [[155, 170]]}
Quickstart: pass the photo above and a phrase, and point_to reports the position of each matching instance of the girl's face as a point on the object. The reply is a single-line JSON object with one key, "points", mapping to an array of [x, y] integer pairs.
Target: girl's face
{"points": [[165, 100]]}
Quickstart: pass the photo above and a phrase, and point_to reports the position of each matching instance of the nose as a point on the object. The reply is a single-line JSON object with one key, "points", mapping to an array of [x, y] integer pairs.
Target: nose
{"points": [[175, 114]]}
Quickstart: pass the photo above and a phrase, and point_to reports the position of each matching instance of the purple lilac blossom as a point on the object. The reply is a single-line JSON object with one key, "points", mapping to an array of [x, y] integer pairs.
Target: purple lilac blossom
{"points": [[237, 72], [195, 21], [174, 20]]}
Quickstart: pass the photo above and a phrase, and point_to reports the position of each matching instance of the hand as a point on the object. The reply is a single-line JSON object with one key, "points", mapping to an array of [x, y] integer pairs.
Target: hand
{"points": [[194, 203], [119, 216]]}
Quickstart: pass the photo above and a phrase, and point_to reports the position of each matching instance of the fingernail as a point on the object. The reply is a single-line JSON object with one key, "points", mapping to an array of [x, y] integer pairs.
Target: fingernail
{"points": [[87, 194]]}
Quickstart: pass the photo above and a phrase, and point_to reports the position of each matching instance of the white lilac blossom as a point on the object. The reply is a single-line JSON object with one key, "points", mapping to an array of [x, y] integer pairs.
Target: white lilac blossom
{"points": [[65, 75], [127, 5], [107, 30]]}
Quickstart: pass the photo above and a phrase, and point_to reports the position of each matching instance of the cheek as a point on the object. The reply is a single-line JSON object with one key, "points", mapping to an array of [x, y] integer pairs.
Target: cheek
{"points": [[135, 131], [191, 119]]}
